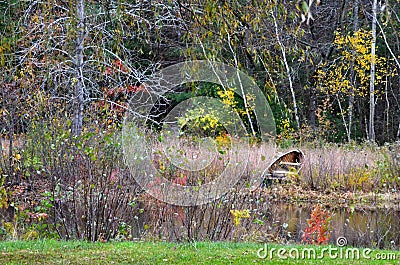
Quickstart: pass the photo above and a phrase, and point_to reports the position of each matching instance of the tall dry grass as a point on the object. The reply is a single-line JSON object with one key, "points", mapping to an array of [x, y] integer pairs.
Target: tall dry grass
{"points": [[331, 168], [350, 168]]}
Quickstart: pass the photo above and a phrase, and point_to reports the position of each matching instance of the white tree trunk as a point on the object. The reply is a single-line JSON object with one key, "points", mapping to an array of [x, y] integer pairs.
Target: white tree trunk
{"points": [[371, 125], [287, 68], [78, 79]]}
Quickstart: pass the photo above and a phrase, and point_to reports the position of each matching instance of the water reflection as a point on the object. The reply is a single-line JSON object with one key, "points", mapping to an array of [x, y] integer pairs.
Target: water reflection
{"points": [[368, 228]]}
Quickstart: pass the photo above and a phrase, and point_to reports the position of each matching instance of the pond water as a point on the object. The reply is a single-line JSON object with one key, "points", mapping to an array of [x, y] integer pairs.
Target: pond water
{"points": [[367, 228]]}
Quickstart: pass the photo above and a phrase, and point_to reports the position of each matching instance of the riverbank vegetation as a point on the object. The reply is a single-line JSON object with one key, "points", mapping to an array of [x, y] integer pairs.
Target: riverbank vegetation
{"points": [[94, 196]]}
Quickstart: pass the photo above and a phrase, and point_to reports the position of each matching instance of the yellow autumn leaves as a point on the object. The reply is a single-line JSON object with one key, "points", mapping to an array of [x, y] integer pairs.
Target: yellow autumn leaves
{"points": [[198, 119], [238, 215], [228, 97], [206, 119], [354, 57]]}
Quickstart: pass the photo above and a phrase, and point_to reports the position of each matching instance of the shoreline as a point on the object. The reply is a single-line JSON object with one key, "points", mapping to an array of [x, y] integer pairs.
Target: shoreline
{"points": [[335, 199]]}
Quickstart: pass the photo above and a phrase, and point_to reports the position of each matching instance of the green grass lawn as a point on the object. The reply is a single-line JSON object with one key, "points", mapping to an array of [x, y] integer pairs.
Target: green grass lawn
{"points": [[79, 252]]}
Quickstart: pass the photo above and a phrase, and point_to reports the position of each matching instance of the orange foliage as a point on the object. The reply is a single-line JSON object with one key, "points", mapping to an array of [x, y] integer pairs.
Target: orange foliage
{"points": [[317, 231]]}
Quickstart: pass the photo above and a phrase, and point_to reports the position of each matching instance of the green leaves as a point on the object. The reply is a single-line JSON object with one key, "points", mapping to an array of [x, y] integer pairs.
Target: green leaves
{"points": [[304, 7]]}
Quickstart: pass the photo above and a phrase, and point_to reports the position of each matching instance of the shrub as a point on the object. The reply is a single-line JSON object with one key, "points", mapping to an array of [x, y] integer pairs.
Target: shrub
{"points": [[318, 229]]}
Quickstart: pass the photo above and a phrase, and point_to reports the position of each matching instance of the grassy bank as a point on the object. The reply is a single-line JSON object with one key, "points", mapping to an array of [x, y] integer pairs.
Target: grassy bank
{"points": [[79, 252]]}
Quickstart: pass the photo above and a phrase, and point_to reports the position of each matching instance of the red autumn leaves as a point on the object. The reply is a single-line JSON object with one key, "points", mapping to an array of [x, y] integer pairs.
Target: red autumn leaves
{"points": [[317, 231]]}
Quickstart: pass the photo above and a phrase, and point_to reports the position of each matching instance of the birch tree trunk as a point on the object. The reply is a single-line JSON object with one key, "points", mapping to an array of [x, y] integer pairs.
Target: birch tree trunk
{"points": [[78, 79], [287, 68], [371, 125]]}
